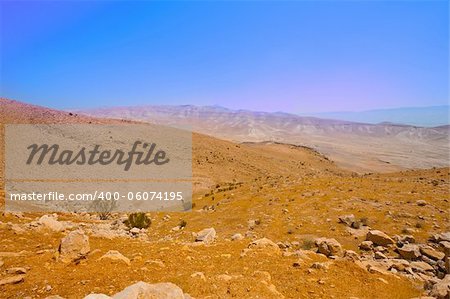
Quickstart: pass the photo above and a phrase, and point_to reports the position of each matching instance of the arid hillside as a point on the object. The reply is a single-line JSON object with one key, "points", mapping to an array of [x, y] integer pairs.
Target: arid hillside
{"points": [[269, 220], [355, 146]]}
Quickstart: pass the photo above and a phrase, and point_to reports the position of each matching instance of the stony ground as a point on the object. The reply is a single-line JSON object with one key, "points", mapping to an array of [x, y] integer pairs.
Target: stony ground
{"points": [[270, 220]]}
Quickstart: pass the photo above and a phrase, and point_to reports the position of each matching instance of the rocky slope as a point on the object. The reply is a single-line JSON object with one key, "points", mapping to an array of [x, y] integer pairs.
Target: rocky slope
{"points": [[269, 221]]}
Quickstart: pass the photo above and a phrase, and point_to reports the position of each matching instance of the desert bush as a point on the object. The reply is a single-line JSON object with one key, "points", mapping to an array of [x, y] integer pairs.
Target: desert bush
{"points": [[364, 221], [104, 208], [308, 244], [182, 224], [139, 220]]}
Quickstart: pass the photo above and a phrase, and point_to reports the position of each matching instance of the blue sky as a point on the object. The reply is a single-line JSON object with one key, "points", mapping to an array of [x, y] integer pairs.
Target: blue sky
{"points": [[292, 56]]}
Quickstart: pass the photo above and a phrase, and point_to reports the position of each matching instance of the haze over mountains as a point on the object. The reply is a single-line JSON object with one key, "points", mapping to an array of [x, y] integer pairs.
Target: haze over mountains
{"points": [[356, 146], [417, 116]]}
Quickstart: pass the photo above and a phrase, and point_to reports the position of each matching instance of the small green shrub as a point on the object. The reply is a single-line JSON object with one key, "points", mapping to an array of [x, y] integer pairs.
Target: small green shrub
{"points": [[139, 220]]}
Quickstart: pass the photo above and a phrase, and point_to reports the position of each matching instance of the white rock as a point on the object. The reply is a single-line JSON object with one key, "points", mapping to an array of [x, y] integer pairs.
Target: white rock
{"points": [[116, 256], [74, 246], [265, 244], [97, 296], [51, 223], [206, 236], [237, 237], [142, 290]]}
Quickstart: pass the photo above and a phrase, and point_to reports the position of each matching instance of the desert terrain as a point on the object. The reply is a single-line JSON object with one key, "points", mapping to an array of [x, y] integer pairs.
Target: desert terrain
{"points": [[355, 146], [270, 219]]}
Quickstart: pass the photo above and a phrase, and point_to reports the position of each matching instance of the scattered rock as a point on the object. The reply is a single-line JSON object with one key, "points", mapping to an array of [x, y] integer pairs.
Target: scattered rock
{"points": [[11, 254], [16, 270], [409, 252], [421, 203], [141, 290], [135, 231], [380, 256], [433, 254], [237, 237], [366, 245], [379, 238], [351, 255], [199, 275], [74, 246], [12, 280], [347, 219], [156, 262], [320, 266], [441, 237], [206, 236], [224, 277], [97, 296], [329, 247], [51, 223], [405, 239], [264, 244], [441, 290], [399, 264], [421, 266], [116, 256]]}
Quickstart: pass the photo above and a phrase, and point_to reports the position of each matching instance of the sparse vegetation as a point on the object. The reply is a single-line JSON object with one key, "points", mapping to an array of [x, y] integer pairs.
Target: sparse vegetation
{"points": [[308, 244], [182, 224], [104, 208], [138, 220]]}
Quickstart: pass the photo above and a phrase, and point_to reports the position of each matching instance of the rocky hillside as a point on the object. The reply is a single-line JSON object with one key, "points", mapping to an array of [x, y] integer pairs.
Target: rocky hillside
{"points": [[269, 220]]}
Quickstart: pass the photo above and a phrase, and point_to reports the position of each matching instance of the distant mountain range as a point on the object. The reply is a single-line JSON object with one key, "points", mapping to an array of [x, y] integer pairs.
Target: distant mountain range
{"points": [[355, 145], [417, 116]]}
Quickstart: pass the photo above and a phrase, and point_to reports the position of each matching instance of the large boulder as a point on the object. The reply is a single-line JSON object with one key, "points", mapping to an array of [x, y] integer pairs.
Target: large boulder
{"points": [[206, 236], [379, 238], [328, 247], [74, 246]]}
